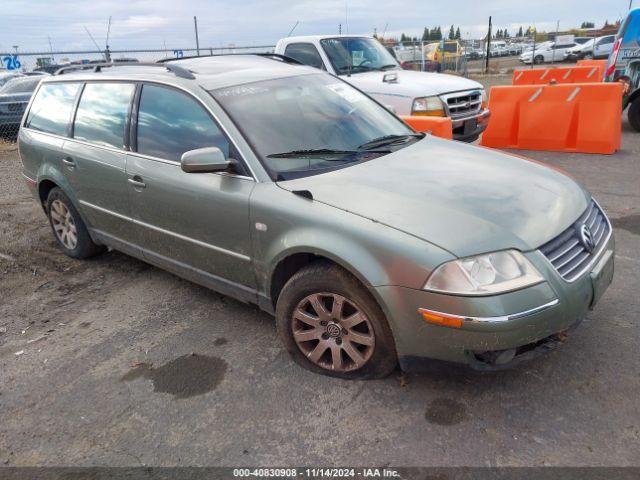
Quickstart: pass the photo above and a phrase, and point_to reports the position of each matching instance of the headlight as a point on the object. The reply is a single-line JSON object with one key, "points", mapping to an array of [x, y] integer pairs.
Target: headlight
{"points": [[484, 274], [484, 99], [428, 106]]}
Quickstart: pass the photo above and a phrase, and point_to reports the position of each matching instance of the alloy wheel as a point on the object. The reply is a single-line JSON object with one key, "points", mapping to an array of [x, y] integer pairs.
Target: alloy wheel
{"points": [[64, 225], [333, 332]]}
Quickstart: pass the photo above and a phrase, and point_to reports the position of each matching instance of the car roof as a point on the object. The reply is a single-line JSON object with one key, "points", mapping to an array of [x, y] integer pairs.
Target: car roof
{"points": [[210, 72]]}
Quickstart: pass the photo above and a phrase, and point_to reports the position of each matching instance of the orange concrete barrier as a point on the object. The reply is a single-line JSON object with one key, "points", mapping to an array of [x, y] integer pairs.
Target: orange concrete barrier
{"points": [[541, 76], [438, 126], [584, 118], [600, 64]]}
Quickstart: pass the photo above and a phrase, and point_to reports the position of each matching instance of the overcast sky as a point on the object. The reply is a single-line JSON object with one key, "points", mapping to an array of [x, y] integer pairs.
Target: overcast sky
{"points": [[152, 23]]}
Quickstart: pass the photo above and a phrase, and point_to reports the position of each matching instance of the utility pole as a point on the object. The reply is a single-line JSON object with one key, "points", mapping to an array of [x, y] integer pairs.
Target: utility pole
{"points": [[486, 65], [195, 26], [555, 40]]}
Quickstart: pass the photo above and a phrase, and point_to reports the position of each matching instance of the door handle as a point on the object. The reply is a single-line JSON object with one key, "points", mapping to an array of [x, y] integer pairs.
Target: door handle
{"points": [[68, 161], [137, 182]]}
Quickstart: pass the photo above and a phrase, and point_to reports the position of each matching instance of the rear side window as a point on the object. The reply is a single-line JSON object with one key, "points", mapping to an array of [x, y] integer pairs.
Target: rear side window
{"points": [[51, 109], [305, 53], [171, 123], [102, 113]]}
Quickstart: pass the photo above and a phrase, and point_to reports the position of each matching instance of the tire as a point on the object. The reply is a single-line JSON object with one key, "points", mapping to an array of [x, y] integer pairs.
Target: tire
{"points": [[68, 227], [538, 59], [588, 56], [633, 114], [325, 284]]}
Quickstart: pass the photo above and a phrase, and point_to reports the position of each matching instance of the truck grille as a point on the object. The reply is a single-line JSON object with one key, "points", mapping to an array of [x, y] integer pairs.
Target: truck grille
{"points": [[573, 251], [462, 104]]}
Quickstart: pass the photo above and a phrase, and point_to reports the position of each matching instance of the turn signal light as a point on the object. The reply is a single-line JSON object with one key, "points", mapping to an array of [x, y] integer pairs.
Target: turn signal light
{"points": [[441, 319], [429, 113]]}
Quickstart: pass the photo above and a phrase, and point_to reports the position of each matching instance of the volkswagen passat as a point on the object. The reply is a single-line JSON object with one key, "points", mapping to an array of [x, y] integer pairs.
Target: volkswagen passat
{"points": [[286, 187]]}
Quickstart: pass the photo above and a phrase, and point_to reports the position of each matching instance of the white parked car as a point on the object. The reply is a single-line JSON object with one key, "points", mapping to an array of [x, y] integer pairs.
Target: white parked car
{"points": [[364, 63], [546, 52], [602, 47]]}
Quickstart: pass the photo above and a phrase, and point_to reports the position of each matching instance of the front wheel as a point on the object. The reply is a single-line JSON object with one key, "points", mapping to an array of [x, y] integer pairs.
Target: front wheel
{"points": [[538, 60], [330, 324], [634, 114]]}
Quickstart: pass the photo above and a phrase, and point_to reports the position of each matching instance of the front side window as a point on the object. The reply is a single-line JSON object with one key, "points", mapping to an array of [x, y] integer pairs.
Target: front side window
{"points": [[171, 123], [102, 113], [305, 53], [307, 124], [354, 55], [52, 107]]}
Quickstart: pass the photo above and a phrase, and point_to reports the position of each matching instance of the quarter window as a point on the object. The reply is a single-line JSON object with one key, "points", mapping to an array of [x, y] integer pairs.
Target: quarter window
{"points": [[102, 113], [305, 53], [171, 123], [51, 109]]}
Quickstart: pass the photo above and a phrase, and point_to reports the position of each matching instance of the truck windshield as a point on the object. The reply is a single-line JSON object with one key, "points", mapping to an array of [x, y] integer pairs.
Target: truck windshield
{"points": [[355, 55], [308, 124]]}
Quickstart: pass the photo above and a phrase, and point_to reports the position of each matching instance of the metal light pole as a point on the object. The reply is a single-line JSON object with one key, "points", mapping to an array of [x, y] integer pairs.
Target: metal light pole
{"points": [[195, 26]]}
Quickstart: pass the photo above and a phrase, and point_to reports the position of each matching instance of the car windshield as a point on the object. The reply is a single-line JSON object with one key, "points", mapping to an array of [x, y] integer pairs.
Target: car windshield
{"points": [[20, 85], [355, 55], [308, 124]]}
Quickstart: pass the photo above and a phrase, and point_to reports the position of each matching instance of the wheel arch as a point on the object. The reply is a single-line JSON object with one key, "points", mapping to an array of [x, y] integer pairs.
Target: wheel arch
{"points": [[294, 259]]}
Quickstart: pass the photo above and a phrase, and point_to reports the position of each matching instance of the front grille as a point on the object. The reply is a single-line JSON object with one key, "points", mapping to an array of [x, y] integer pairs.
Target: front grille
{"points": [[463, 104], [568, 252]]}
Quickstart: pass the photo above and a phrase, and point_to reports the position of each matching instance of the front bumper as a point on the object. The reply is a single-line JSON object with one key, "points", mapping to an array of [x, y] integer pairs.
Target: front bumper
{"points": [[469, 129], [528, 321]]}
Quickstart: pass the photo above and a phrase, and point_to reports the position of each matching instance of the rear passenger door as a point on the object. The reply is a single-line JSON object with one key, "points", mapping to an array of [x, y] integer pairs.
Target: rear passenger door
{"points": [[94, 158], [305, 53], [196, 223]]}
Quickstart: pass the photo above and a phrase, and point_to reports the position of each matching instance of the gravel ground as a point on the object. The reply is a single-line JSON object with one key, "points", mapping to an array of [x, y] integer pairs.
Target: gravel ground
{"points": [[114, 362]]}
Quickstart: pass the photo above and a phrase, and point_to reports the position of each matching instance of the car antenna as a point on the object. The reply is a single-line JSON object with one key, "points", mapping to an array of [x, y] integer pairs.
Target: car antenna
{"points": [[294, 27]]}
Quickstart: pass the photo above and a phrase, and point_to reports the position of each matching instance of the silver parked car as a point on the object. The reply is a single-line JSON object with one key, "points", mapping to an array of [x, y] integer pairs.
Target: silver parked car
{"points": [[286, 187]]}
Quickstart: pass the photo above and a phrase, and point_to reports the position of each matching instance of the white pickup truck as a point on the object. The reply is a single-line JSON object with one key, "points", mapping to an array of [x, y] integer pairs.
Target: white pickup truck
{"points": [[367, 65]]}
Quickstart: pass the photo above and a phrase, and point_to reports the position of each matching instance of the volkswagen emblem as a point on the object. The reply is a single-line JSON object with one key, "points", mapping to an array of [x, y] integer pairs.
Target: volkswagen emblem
{"points": [[586, 238]]}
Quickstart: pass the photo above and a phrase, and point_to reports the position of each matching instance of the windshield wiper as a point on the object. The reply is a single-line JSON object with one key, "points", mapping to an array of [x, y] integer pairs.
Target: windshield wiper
{"points": [[388, 140], [387, 67], [318, 152]]}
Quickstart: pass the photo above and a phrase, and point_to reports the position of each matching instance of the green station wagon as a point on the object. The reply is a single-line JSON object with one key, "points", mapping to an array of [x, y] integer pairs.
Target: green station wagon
{"points": [[283, 186]]}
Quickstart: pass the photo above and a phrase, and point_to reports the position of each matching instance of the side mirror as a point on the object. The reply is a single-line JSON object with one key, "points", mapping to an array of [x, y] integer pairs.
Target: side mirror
{"points": [[204, 160]]}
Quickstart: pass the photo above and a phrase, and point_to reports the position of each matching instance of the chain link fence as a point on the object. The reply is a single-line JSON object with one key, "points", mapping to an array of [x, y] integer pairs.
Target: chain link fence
{"points": [[21, 71]]}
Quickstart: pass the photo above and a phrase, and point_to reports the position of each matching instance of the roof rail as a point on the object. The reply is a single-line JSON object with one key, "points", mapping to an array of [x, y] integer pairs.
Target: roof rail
{"points": [[274, 56], [97, 67]]}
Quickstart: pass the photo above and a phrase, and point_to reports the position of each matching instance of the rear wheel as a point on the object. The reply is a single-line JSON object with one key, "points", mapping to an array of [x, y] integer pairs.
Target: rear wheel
{"points": [[634, 114], [330, 324], [68, 227]]}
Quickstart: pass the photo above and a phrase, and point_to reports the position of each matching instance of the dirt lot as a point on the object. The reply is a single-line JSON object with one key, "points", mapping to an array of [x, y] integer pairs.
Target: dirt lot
{"points": [[114, 362]]}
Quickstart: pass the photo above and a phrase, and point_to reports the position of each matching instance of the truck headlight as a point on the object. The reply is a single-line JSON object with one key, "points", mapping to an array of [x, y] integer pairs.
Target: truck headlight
{"points": [[485, 274], [428, 106], [484, 99]]}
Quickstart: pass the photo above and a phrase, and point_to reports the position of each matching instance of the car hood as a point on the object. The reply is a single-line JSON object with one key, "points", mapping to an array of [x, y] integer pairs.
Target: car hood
{"points": [[464, 199], [410, 83]]}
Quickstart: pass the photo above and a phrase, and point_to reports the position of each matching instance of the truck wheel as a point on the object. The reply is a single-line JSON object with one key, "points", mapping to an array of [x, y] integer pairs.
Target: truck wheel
{"points": [[538, 60], [330, 324], [68, 227], [634, 114]]}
